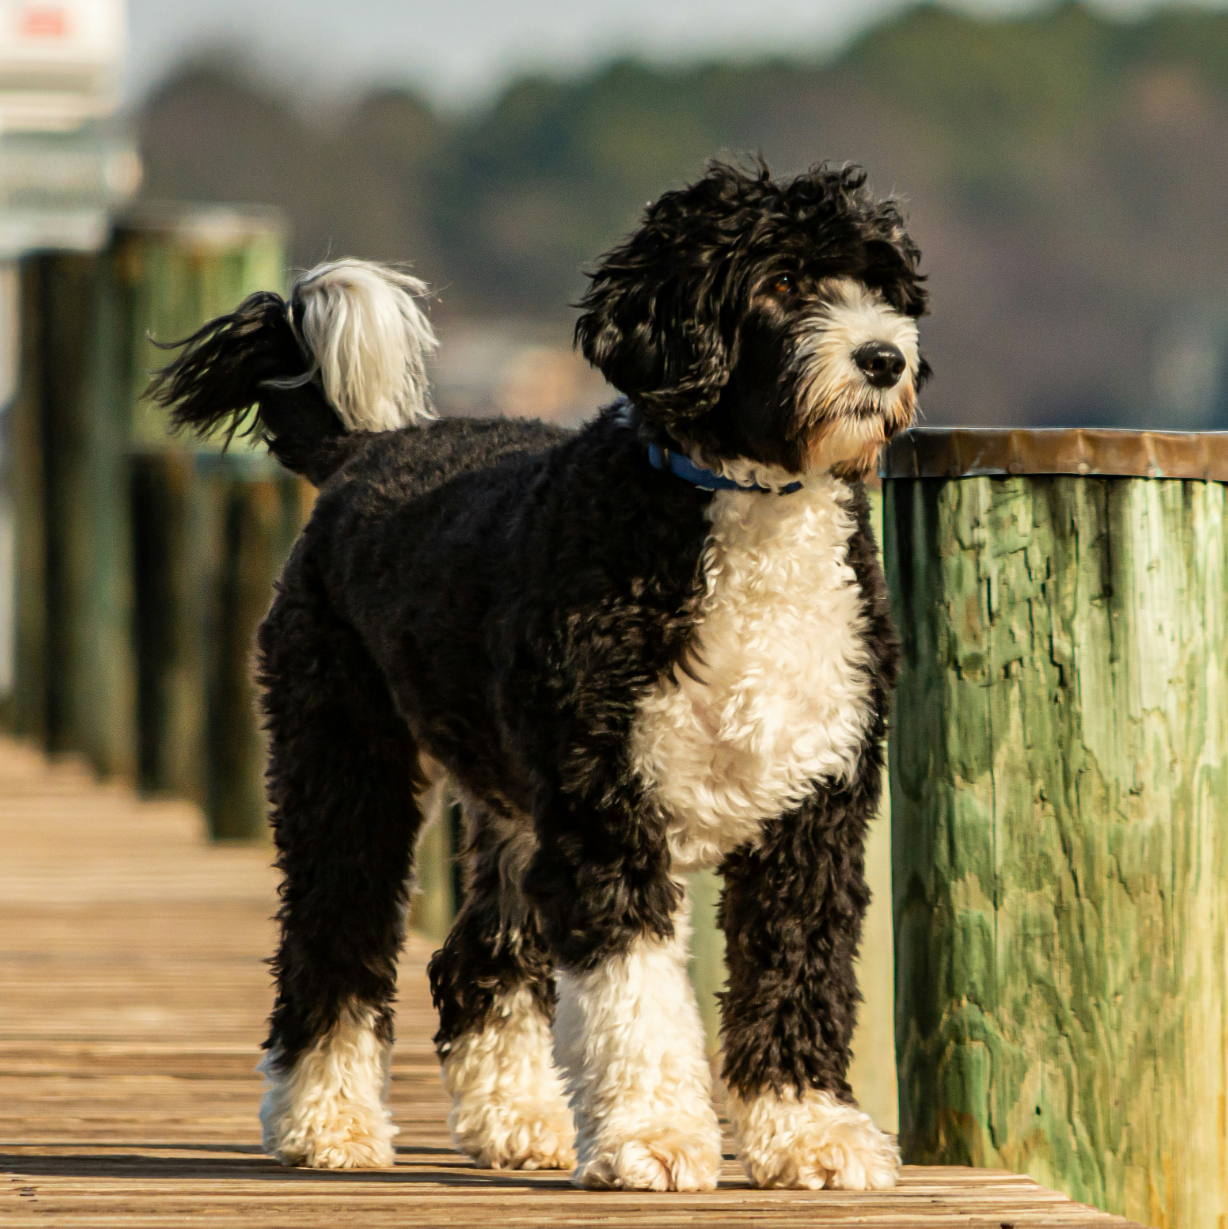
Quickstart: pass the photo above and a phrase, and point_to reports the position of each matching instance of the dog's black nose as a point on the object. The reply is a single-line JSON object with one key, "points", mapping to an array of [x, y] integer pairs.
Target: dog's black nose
{"points": [[881, 363]]}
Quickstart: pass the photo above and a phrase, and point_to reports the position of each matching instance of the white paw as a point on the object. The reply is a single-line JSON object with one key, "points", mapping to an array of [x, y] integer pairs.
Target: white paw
{"points": [[662, 1160], [813, 1142], [514, 1136], [629, 1038], [327, 1111], [336, 1135], [355, 1145], [508, 1108]]}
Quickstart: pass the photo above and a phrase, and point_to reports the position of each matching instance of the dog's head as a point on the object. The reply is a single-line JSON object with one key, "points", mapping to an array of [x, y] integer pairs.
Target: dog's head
{"points": [[761, 321]]}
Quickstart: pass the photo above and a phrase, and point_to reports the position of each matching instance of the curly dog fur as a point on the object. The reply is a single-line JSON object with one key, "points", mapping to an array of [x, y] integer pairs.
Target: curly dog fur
{"points": [[657, 644]]}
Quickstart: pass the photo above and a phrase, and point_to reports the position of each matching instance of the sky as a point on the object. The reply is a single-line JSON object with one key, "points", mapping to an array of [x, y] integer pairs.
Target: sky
{"points": [[461, 52]]}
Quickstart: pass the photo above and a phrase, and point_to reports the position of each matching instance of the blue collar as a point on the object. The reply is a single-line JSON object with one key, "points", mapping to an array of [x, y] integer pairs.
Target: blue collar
{"points": [[683, 467]]}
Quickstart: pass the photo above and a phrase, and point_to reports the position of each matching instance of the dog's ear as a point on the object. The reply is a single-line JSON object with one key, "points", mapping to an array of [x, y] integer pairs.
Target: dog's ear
{"points": [[651, 320]]}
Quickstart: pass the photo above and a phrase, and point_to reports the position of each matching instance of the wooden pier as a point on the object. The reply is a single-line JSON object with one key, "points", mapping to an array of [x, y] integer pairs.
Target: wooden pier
{"points": [[132, 1005]]}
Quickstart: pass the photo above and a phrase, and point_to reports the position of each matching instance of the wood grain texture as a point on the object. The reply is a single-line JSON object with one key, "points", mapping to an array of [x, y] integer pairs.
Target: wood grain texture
{"points": [[131, 953], [1059, 772]]}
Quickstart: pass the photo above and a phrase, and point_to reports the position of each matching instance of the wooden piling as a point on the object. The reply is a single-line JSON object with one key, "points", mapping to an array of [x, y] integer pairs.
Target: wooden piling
{"points": [[73, 685], [1059, 772], [179, 266], [258, 519], [171, 624], [436, 893], [25, 443], [211, 530], [85, 678]]}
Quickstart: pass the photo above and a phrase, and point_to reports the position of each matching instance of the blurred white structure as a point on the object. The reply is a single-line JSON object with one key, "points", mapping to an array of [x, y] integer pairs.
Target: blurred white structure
{"points": [[60, 61], [64, 162], [65, 165]]}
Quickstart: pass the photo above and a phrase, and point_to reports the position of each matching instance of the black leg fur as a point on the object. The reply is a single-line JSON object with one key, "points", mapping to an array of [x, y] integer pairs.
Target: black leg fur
{"points": [[792, 912], [793, 906], [495, 946], [342, 782], [493, 988]]}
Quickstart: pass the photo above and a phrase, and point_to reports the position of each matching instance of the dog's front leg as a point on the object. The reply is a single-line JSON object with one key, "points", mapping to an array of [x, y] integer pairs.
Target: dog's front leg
{"points": [[630, 1042], [792, 914]]}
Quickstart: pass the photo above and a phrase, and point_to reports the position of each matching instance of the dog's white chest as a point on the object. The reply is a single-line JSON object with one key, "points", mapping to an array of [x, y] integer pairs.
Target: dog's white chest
{"points": [[784, 697]]}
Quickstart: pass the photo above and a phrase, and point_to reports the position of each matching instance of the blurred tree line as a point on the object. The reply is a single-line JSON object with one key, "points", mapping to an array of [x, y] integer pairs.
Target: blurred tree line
{"points": [[1066, 176]]}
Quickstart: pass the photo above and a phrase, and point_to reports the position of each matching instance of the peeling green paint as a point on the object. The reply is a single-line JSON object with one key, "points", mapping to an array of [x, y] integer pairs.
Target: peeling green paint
{"points": [[1059, 844]]}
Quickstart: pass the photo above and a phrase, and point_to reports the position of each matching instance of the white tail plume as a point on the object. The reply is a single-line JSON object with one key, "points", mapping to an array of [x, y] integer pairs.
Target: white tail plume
{"points": [[369, 339]]}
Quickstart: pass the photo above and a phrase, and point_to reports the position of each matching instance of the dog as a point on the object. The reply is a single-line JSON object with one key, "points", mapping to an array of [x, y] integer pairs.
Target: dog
{"points": [[658, 644]]}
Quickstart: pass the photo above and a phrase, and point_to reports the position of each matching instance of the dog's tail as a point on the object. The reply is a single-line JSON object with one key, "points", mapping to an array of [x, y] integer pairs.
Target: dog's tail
{"points": [[345, 354]]}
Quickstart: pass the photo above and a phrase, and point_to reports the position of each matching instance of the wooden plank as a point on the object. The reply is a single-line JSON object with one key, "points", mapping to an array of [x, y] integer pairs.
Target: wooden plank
{"points": [[1059, 771], [129, 1032]]}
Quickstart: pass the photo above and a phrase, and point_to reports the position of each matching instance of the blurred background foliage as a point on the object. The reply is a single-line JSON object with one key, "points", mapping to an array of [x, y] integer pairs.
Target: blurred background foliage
{"points": [[1066, 175]]}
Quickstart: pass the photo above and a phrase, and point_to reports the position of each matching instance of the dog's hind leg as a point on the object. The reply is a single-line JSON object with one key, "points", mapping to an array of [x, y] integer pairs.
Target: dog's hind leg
{"points": [[343, 777], [492, 984]]}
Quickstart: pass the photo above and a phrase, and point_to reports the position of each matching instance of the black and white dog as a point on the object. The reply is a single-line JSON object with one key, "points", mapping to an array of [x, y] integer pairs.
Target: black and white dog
{"points": [[655, 645]]}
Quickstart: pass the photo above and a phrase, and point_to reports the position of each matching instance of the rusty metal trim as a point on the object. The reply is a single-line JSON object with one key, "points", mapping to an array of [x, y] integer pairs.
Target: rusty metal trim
{"points": [[965, 452]]}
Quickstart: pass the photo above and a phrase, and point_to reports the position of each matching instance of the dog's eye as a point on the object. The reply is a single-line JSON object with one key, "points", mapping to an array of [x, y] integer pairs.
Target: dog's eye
{"points": [[784, 284]]}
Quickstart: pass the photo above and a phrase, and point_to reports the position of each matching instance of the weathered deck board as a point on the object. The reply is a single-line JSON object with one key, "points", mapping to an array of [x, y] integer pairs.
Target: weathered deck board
{"points": [[133, 1004]]}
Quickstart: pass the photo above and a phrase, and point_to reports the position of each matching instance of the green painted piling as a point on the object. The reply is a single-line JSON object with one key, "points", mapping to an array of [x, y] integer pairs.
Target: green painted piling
{"points": [[1059, 774], [211, 529], [25, 442], [109, 660], [179, 266], [434, 900], [251, 525], [707, 965], [74, 676], [170, 559]]}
